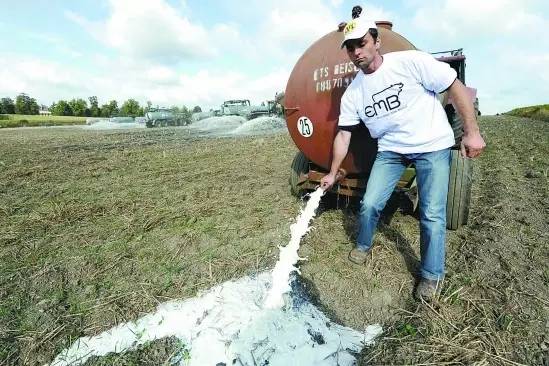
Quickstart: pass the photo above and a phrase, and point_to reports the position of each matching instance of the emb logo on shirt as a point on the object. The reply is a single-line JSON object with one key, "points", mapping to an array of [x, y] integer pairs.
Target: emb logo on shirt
{"points": [[384, 101]]}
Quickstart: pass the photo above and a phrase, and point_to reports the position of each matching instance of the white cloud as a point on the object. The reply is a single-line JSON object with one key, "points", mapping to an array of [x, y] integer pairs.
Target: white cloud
{"points": [[154, 30], [378, 13], [94, 28], [160, 74], [157, 31], [35, 77], [525, 79], [265, 87], [54, 41], [451, 18], [151, 40], [504, 41], [148, 37], [291, 25], [122, 78], [184, 6]]}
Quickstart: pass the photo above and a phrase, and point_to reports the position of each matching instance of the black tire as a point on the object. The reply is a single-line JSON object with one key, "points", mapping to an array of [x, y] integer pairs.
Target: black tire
{"points": [[477, 108], [459, 191], [300, 165], [457, 123]]}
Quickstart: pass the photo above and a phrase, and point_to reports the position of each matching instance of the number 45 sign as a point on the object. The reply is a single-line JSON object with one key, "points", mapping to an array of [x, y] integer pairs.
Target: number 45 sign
{"points": [[305, 126]]}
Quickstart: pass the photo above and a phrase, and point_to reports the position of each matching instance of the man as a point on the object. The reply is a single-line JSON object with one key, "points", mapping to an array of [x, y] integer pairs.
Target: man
{"points": [[395, 96]]}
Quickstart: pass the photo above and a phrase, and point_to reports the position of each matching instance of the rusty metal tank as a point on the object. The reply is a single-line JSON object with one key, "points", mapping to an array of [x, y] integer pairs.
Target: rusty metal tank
{"points": [[313, 94]]}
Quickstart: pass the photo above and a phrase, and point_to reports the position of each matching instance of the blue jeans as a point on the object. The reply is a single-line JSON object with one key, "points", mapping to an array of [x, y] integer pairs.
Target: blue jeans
{"points": [[432, 171]]}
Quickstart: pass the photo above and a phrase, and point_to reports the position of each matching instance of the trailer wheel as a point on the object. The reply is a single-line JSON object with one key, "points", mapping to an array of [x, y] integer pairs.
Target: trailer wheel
{"points": [[300, 165], [457, 123], [477, 108], [459, 191]]}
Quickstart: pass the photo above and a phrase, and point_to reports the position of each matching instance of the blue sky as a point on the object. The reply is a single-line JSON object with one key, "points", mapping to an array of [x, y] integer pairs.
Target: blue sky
{"points": [[184, 52]]}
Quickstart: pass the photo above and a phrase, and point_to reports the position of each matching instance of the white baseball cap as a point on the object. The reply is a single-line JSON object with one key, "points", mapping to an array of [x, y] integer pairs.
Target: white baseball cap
{"points": [[357, 28]]}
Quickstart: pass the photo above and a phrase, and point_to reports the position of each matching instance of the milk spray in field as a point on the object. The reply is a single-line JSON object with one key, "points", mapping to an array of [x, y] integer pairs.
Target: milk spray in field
{"points": [[288, 255], [240, 322]]}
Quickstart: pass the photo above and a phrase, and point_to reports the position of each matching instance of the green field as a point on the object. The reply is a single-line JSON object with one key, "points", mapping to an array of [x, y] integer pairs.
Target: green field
{"points": [[99, 227], [24, 120], [540, 112]]}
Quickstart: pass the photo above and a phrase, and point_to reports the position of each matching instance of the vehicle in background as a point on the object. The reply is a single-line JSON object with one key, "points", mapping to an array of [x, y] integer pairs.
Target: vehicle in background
{"points": [[243, 108], [237, 107], [269, 108], [163, 117]]}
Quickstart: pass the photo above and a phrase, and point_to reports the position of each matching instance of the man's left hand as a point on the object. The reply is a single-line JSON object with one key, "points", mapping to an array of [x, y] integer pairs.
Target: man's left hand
{"points": [[472, 145]]}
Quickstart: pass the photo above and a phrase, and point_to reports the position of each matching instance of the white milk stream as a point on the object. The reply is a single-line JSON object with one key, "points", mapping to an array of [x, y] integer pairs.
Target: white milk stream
{"points": [[288, 255], [240, 322]]}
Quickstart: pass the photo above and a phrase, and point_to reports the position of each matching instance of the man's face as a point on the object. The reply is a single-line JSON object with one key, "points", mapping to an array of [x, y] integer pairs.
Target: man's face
{"points": [[362, 51]]}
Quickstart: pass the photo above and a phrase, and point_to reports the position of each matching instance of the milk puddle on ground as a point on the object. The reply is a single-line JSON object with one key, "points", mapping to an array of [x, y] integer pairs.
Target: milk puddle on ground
{"points": [[248, 321]]}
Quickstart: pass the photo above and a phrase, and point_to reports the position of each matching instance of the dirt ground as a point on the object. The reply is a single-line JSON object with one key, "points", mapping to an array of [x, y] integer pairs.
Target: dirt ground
{"points": [[495, 304], [98, 227]]}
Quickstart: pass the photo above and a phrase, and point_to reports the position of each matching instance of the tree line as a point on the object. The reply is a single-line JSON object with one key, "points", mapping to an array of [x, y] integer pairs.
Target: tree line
{"points": [[24, 104]]}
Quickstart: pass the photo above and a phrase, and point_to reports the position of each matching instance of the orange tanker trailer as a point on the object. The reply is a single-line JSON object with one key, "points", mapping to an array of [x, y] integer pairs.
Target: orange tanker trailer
{"points": [[311, 105]]}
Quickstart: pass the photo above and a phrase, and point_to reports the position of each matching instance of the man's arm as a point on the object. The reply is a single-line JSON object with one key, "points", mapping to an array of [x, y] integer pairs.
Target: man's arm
{"points": [[341, 147], [472, 142]]}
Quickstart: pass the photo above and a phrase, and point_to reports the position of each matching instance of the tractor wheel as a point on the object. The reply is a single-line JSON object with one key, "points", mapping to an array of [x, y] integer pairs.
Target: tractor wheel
{"points": [[457, 126], [459, 190], [457, 123], [300, 165], [477, 107]]}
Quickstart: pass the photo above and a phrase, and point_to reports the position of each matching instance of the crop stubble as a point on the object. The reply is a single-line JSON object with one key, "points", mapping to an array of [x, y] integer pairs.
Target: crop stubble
{"points": [[99, 227]]}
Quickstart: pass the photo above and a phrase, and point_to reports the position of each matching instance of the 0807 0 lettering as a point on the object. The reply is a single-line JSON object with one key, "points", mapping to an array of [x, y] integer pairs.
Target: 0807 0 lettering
{"points": [[329, 84]]}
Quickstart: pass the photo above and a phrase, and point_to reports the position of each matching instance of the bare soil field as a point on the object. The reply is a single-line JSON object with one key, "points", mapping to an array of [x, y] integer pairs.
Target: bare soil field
{"points": [[99, 227]]}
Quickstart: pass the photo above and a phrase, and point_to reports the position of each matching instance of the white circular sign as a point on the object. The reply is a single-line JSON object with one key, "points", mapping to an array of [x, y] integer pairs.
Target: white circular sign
{"points": [[305, 126]]}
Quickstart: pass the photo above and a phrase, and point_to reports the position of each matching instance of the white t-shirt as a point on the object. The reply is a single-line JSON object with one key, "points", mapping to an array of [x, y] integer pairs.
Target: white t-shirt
{"points": [[399, 105]]}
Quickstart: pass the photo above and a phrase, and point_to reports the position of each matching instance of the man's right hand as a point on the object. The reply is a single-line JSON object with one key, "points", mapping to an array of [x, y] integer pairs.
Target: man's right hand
{"points": [[341, 146], [327, 181]]}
